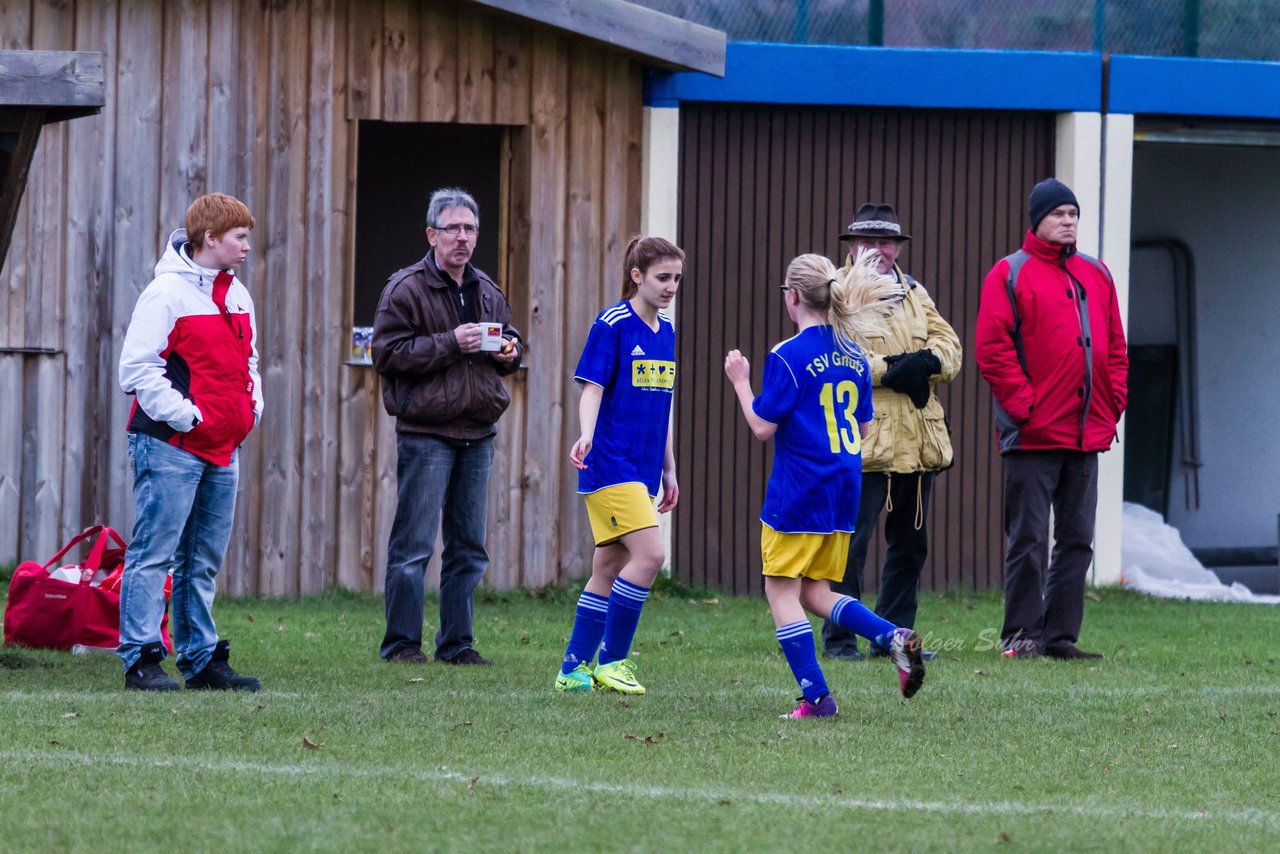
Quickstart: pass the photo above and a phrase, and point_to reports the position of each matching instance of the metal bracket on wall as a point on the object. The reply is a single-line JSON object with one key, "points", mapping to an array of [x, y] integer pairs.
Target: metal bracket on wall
{"points": [[29, 351]]}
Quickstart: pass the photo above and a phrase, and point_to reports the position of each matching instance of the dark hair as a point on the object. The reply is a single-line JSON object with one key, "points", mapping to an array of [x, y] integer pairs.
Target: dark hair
{"points": [[642, 253]]}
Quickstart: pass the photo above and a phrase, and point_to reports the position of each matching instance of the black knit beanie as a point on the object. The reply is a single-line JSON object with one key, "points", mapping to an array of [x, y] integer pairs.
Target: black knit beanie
{"points": [[1046, 196]]}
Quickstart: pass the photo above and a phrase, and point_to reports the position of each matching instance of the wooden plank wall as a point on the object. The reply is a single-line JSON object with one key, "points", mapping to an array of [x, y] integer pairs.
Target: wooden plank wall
{"points": [[759, 185], [262, 100]]}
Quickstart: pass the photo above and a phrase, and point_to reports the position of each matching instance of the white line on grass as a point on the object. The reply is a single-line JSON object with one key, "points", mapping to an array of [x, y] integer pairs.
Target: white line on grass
{"points": [[29, 758]]}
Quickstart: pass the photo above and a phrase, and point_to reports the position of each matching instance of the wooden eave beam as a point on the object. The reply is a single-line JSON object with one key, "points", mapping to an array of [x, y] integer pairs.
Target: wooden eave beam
{"points": [[656, 38], [64, 84]]}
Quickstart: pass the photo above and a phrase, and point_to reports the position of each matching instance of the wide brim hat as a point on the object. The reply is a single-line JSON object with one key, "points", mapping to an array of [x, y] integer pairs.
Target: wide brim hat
{"points": [[875, 221]]}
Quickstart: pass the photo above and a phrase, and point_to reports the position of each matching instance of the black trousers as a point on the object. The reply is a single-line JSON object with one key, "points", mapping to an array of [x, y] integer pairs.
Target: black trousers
{"points": [[906, 547], [1043, 605]]}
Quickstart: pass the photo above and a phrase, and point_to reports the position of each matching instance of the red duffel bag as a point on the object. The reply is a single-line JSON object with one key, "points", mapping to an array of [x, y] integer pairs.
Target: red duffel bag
{"points": [[51, 608]]}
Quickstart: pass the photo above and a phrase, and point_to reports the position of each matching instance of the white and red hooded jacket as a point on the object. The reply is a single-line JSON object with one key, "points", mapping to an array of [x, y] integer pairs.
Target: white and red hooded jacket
{"points": [[190, 358]]}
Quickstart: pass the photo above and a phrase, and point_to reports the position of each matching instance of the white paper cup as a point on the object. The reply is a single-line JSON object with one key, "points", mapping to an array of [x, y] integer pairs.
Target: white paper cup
{"points": [[491, 340]]}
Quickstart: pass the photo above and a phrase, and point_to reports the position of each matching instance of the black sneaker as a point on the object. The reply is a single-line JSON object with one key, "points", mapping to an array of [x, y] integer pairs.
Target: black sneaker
{"points": [[408, 655], [846, 653], [147, 674], [467, 656], [218, 675], [1067, 651]]}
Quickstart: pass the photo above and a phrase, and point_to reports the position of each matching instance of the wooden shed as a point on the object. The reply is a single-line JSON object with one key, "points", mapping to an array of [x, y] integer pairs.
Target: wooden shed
{"points": [[332, 120]]}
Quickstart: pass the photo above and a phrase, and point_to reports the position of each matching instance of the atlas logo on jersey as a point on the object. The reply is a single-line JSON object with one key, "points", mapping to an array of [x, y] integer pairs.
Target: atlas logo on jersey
{"points": [[653, 374]]}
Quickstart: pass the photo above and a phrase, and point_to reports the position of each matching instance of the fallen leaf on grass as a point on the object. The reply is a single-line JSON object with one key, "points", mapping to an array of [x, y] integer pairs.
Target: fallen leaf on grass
{"points": [[249, 617], [648, 739], [1146, 710], [710, 601], [458, 726], [1092, 597], [1173, 747], [311, 745], [677, 634], [471, 784], [72, 715], [782, 736], [260, 707], [1004, 837], [54, 742], [623, 704], [280, 629], [979, 673], [415, 680]]}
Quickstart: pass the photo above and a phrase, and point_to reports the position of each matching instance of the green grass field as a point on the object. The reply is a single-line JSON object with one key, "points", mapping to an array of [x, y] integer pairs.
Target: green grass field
{"points": [[1169, 744]]}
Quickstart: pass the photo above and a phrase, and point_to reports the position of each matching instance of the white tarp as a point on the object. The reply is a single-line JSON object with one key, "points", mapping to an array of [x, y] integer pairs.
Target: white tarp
{"points": [[1155, 561]]}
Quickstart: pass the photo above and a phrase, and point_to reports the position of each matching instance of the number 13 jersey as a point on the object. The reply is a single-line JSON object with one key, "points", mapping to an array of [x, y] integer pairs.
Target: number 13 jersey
{"points": [[817, 395]]}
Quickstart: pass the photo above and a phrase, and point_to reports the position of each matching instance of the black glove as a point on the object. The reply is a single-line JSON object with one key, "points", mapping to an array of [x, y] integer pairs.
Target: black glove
{"points": [[909, 374]]}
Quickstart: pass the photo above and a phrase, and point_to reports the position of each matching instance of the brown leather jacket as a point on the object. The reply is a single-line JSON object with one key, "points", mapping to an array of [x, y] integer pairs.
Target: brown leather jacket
{"points": [[428, 383]]}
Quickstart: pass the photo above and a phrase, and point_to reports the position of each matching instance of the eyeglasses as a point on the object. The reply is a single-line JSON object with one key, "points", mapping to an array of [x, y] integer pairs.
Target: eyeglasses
{"points": [[454, 229]]}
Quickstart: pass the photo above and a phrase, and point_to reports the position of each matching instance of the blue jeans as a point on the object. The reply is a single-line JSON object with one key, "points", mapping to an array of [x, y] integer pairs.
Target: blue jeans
{"points": [[435, 478], [183, 508]]}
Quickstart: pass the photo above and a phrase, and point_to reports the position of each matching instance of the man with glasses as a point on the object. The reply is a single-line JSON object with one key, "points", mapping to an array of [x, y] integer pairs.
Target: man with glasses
{"points": [[442, 381]]}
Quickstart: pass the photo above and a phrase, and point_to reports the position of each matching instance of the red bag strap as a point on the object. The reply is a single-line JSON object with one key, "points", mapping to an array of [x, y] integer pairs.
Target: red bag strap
{"points": [[94, 560]]}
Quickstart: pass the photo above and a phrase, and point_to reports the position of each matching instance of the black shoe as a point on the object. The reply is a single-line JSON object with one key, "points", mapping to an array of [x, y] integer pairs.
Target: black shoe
{"points": [[218, 675], [844, 654], [1068, 651], [467, 656], [147, 674], [408, 655]]}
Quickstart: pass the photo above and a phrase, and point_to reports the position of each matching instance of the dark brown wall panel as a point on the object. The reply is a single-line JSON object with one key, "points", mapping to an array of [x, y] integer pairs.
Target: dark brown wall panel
{"points": [[760, 185]]}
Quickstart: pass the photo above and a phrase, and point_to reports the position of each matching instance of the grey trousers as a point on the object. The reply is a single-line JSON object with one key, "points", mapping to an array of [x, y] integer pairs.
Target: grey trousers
{"points": [[1044, 605]]}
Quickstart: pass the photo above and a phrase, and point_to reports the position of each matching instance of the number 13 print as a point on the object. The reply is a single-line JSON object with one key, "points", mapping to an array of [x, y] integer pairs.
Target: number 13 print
{"points": [[842, 432]]}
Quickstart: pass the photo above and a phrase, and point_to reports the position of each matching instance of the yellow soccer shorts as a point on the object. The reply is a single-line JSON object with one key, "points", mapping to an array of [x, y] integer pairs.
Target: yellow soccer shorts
{"points": [[618, 510], [816, 556]]}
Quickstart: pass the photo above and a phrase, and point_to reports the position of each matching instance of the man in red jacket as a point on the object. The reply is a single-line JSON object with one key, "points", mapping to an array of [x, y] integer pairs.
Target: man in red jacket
{"points": [[1051, 345]]}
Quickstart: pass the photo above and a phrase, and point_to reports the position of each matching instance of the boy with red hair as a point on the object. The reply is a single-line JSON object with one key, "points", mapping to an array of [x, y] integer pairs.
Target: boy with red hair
{"points": [[190, 359]]}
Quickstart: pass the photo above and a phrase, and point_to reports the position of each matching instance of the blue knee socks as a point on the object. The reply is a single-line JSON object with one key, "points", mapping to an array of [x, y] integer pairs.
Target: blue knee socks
{"points": [[588, 629], [625, 603], [853, 616], [797, 645]]}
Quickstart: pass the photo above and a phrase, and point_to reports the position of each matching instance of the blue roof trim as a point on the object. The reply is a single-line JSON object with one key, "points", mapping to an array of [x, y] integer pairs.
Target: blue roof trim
{"points": [[766, 73], [1165, 85]]}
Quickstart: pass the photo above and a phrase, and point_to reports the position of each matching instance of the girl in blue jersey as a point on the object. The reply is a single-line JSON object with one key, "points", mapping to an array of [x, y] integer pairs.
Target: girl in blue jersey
{"points": [[627, 373], [816, 405]]}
